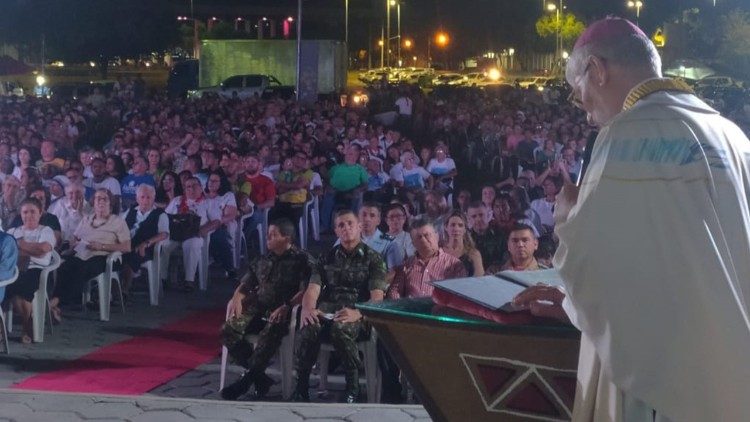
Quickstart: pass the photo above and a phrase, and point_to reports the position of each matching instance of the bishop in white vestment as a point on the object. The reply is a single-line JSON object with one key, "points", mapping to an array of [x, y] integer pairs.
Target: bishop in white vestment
{"points": [[655, 249]]}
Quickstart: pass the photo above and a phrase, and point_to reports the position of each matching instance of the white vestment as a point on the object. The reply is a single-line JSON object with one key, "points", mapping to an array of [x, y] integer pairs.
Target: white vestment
{"points": [[655, 255]]}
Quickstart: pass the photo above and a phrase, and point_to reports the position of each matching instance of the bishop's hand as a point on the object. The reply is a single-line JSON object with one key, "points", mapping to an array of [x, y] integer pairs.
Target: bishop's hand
{"points": [[543, 301]]}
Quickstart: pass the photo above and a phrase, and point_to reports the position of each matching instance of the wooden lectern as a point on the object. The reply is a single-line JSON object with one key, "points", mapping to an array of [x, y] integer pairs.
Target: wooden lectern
{"points": [[465, 368]]}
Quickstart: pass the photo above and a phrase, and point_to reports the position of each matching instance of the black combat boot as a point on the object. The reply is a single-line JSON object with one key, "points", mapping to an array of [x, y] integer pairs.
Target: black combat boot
{"points": [[239, 387], [263, 383]]}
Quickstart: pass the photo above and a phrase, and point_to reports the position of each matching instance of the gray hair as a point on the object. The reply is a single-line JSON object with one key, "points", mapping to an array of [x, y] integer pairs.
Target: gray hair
{"points": [[146, 187], [74, 186], [634, 51]]}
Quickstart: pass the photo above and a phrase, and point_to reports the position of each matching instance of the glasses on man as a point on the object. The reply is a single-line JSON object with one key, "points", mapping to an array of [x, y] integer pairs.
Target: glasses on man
{"points": [[573, 98]]}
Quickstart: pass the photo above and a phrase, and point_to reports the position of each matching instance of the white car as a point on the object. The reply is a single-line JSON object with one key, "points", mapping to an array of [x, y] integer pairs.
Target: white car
{"points": [[447, 79], [475, 79], [717, 82], [244, 86]]}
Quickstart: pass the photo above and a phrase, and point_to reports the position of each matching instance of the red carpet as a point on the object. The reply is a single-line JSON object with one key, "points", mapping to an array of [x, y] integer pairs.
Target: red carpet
{"points": [[140, 364]]}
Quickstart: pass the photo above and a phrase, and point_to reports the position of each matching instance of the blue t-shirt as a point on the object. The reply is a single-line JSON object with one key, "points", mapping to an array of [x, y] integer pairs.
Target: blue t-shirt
{"points": [[8, 259], [131, 182]]}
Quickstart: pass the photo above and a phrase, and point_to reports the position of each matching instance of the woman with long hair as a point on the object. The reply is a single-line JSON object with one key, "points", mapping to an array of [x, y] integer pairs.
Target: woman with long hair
{"points": [[458, 242], [222, 214], [169, 188], [24, 160], [115, 167]]}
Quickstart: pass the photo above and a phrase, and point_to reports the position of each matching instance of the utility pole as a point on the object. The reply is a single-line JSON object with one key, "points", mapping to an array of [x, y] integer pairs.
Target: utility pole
{"points": [[398, 24], [387, 41], [382, 47], [299, 46]]}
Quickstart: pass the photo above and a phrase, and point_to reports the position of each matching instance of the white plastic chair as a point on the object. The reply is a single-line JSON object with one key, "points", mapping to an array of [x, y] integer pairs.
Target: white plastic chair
{"points": [[40, 307], [315, 215], [262, 228], [285, 355], [372, 373], [152, 267], [203, 264], [240, 238], [5, 283], [104, 281]]}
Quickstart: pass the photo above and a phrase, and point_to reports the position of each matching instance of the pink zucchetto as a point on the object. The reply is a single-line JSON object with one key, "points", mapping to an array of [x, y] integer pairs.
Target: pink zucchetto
{"points": [[609, 27]]}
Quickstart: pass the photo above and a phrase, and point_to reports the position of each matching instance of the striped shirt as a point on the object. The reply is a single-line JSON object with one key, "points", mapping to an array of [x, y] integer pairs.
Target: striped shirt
{"points": [[415, 277]]}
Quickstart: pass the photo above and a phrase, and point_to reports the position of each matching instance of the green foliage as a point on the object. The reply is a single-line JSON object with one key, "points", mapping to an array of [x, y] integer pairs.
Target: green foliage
{"points": [[735, 41], [569, 26]]}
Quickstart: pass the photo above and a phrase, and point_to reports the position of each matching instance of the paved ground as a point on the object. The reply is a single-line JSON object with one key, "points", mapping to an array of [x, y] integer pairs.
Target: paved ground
{"points": [[82, 332], [30, 407]]}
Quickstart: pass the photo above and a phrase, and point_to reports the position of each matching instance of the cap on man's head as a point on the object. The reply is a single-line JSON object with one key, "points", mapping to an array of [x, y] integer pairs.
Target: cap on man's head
{"points": [[609, 27]]}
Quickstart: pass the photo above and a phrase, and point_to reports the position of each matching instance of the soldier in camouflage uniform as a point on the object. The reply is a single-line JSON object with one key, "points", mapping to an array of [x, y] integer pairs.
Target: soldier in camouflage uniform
{"points": [[262, 304], [350, 273]]}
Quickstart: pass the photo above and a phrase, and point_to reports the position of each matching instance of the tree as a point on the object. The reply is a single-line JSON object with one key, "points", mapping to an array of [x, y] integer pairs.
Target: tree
{"points": [[735, 42], [568, 26]]}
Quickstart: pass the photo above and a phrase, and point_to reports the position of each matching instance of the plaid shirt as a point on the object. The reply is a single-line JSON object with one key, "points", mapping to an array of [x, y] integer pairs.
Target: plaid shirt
{"points": [[415, 277]]}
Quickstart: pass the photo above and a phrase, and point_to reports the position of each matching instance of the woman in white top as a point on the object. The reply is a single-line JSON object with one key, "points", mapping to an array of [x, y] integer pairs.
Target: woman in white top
{"points": [[35, 244], [24, 161], [442, 168], [222, 216]]}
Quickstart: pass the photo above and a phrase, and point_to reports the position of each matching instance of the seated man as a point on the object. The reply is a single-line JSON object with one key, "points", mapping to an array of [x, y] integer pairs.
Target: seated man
{"points": [[490, 243], [382, 243], [131, 182], [351, 273], [101, 179], [348, 181], [192, 202], [8, 261], [293, 188], [262, 305], [522, 243], [148, 226], [414, 279], [70, 210]]}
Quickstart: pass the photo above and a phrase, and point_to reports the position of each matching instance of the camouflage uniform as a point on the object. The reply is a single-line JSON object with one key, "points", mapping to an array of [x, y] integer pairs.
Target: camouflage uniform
{"points": [[346, 278], [273, 281]]}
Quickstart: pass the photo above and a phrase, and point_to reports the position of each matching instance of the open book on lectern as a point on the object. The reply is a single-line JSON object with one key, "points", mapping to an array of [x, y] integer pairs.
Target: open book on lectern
{"points": [[497, 291]]}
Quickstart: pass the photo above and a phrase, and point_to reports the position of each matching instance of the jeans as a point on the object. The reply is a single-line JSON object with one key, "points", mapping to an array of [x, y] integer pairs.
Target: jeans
{"points": [[220, 249]]}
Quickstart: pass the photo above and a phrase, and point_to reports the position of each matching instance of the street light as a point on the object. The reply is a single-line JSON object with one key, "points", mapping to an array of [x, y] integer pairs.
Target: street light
{"points": [[551, 7], [442, 39], [408, 43], [637, 5]]}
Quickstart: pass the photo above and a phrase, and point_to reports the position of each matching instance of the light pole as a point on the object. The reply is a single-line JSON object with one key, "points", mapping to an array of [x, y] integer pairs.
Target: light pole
{"points": [[637, 5], [388, 29], [398, 25], [511, 52], [299, 46], [346, 25], [558, 41]]}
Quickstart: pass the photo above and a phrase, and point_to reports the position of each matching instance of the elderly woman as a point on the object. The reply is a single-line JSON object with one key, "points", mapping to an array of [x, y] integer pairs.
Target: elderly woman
{"points": [[70, 210], [10, 199], [98, 235], [35, 243]]}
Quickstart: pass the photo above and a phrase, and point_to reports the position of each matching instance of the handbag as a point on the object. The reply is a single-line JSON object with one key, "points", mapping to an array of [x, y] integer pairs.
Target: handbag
{"points": [[184, 225]]}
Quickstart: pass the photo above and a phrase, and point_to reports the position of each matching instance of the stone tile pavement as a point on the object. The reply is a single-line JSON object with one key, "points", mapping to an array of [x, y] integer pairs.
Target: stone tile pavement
{"points": [[192, 396], [25, 406]]}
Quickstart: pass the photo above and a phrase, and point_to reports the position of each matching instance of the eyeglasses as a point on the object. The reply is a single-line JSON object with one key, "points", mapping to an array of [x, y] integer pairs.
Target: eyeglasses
{"points": [[572, 98]]}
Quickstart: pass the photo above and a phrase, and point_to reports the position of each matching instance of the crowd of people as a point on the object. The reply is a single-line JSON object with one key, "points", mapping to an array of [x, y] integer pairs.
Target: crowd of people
{"points": [[463, 184]]}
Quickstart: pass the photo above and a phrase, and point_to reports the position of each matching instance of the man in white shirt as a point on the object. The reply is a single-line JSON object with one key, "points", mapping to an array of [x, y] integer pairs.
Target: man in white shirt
{"points": [[101, 179], [654, 244], [148, 226], [70, 210]]}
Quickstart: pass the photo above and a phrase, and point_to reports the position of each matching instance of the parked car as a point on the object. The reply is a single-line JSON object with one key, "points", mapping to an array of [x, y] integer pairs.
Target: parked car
{"points": [[243, 86]]}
